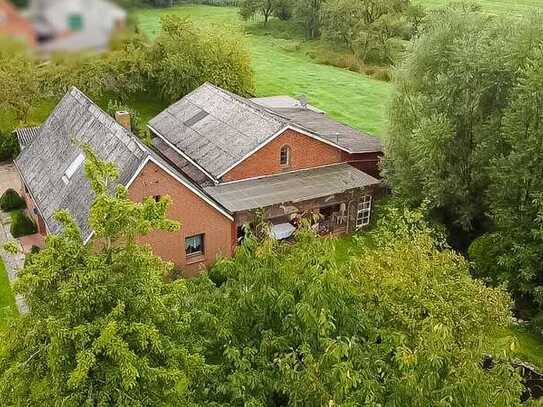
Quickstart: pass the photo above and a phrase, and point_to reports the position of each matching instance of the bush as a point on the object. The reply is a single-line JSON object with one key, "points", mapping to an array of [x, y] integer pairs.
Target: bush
{"points": [[9, 147], [22, 225], [11, 200]]}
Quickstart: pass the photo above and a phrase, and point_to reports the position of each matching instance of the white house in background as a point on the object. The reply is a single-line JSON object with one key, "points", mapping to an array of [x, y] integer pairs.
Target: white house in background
{"points": [[73, 25]]}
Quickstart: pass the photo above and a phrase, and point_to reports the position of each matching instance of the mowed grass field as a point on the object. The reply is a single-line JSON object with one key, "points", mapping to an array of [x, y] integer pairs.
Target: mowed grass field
{"points": [[282, 69], [494, 6]]}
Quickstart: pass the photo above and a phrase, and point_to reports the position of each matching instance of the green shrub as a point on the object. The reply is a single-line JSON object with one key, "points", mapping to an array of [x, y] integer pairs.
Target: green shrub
{"points": [[9, 147], [11, 200], [22, 225]]}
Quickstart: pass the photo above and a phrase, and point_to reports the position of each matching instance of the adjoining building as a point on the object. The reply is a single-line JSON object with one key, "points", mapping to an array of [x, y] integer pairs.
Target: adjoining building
{"points": [[221, 158]]}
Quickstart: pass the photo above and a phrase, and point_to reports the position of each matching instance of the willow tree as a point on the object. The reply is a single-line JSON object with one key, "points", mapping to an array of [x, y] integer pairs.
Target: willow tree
{"points": [[451, 94], [104, 328]]}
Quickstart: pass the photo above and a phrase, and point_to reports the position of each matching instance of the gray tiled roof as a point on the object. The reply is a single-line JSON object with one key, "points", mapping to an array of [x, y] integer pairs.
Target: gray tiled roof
{"points": [[25, 136], [217, 129], [289, 187], [43, 163]]}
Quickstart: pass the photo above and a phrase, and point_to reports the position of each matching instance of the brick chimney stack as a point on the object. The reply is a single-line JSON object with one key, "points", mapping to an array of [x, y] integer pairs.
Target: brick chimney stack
{"points": [[123, 118]]}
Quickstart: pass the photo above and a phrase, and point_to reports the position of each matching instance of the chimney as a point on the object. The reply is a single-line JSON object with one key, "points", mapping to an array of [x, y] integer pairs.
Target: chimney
{"points": [[303, 101], [123, 118]]}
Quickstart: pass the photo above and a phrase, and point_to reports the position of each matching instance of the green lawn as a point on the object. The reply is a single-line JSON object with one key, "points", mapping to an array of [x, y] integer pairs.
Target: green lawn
{"points": [[494, 6], [282, 66], [7, 300]]}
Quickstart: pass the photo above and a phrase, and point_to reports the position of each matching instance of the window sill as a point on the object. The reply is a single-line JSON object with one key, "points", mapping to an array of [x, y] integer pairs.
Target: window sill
{"points": [[195, 258]]}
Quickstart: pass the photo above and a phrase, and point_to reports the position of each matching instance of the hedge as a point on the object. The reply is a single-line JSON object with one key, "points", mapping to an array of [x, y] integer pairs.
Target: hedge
{"points": [[22, 225], [11, 200]]}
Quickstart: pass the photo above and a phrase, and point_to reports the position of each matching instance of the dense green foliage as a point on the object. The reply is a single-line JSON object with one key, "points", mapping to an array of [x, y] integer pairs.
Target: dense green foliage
{"points": [[11, 200], [402, 323], [372, 30], [282, 9], [104, 329], [9, 146], [198, 55], [516, 194], [451, 95], [21, 224]]}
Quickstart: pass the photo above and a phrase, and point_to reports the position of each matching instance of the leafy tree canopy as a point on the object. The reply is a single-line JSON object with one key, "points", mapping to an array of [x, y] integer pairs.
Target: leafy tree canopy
{"points": [[451, 95], [401, 323]]}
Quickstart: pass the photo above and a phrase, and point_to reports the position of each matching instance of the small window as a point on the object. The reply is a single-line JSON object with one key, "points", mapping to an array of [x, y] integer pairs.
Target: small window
{"points": [[194, 245], [363, 216], [285, 156], [75, 22], [157, 198]]}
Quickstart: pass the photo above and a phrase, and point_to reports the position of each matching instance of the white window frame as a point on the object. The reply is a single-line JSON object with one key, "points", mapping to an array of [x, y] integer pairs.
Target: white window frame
{"points": [[363, 215], [285, 148], [202, 245]]}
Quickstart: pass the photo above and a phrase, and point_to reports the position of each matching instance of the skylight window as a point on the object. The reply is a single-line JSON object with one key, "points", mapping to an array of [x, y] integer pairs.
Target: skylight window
{"points": [[74, 166]]}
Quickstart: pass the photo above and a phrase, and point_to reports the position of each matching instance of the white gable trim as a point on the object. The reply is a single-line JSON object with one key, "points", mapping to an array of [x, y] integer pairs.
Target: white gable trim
{"points": [[190, 187], [275, 135], [178, 151]]}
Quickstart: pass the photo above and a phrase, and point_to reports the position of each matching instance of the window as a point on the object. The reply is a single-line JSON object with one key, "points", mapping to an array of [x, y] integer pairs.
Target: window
{"points": [[363, 215], [74, 166], [194, 245], [157, 198], [285, 156], [75, 22]]}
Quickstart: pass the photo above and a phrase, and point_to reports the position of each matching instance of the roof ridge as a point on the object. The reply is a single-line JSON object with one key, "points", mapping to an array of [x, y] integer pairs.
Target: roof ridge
{"points": [[254, 106]]}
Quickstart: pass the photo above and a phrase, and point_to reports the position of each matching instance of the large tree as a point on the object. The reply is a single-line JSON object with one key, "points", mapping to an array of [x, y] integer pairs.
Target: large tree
{"points": [[401, 323], [451, 94], [104, 328], [513, 253]]}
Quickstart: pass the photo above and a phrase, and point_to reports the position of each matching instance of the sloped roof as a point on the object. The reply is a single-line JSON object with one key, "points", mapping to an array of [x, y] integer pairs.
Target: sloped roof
{"points": [[46, 161], [293, 187], [76, 120], [217, 129]]}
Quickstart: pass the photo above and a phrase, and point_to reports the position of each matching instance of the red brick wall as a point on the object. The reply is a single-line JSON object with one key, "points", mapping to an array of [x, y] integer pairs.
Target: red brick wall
{"points": [[306, 152], [196, 217], [32, 211], [14, 25], [367, 162]]}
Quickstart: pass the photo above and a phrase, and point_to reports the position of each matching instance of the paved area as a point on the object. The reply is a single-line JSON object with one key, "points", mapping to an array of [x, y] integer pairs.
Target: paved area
{"points": [[13, 262], [32, 240], [9, 177]]}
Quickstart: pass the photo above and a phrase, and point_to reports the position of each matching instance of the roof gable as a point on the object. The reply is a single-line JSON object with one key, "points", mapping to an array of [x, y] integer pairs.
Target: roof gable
{"points": [[45, 162], [216, 129]]}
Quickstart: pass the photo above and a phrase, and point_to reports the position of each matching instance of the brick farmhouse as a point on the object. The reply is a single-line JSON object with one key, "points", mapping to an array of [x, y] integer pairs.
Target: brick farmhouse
{"points": [[222, 159]]}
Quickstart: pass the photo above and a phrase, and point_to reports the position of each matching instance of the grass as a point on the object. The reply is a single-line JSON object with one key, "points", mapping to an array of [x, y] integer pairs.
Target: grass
{"points": [[528, 346], [8, 308], [494, 6], [283, 67]]}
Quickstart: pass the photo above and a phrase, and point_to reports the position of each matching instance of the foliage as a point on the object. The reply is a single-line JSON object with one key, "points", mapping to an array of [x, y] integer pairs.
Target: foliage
{"points": [[19, 84], [308, 13], [401, 323], [446, 116], [11, 200], [372, 29], [138, 126], [266, 8], [516, 193], [189, 56], [21, 224], [103, 329], [9, 146]]}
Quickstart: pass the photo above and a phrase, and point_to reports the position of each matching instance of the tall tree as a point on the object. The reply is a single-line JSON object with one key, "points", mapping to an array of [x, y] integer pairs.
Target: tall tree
{"points": [[401, 323], [513, 253], [308, 12], [451, 94], [104, 329]]}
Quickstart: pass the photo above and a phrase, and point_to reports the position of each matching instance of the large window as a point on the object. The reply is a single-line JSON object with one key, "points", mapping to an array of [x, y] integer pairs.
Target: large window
{"points": [[194, 245], [285, 156], [363, 215]]}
